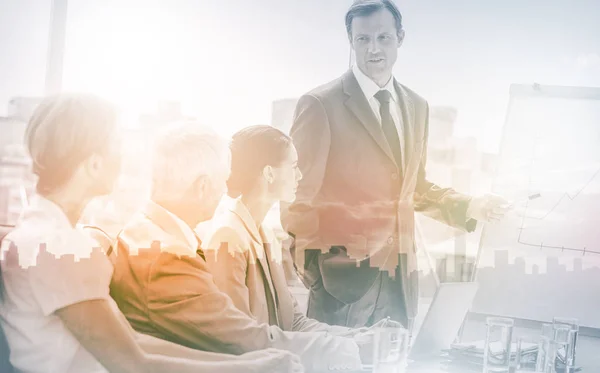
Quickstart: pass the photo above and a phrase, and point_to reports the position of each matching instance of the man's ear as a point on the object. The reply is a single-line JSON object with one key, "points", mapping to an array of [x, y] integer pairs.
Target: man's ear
{"points": [[400, 37], [200, 186], [350, 52]]}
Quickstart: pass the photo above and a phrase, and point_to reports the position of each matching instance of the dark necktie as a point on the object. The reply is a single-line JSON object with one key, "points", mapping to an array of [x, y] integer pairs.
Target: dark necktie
{"points": [[388, 126], [199, 250]]}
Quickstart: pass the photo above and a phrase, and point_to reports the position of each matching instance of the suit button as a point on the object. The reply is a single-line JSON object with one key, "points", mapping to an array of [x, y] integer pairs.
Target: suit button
{"points": [[395, 176], [390, 240]]}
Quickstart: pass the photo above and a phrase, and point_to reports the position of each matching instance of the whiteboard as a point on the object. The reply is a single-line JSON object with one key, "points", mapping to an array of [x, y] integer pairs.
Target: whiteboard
{"points": [[543, 260]]}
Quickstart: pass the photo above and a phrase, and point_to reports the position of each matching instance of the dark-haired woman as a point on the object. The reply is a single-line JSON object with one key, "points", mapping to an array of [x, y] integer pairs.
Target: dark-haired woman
{"points": [[244, 255]]}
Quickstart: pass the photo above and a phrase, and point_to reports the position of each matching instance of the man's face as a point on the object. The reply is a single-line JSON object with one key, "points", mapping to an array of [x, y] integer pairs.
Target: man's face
{"points": [[213, 190], [216, 189], [375, 42]]}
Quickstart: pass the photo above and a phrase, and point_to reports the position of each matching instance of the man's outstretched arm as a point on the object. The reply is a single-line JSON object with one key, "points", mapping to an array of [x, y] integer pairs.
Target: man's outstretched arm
{"points": [[443, 204]]}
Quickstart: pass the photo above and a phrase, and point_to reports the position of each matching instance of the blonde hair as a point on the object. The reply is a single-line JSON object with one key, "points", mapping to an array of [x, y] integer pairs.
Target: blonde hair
{"points": [[64, 130], [182, 153]]}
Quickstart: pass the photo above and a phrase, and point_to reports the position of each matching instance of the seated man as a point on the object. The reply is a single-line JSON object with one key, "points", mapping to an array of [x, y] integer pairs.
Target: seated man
{"points": [[162, 282]]}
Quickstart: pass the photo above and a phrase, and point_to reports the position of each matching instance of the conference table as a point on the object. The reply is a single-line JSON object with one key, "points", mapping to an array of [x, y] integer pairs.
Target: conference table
{"points": [[588, 347]]}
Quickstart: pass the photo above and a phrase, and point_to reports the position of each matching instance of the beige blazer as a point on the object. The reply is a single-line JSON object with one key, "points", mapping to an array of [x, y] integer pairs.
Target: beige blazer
{"points": [[246, 263], [165, 289]]}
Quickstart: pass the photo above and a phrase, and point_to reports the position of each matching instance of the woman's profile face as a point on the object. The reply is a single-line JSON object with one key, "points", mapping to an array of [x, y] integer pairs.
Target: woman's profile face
{"points": [[109, 165], [286, 177]]}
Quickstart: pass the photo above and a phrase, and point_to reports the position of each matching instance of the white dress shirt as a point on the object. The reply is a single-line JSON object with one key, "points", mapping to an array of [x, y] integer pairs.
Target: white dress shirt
{"points": [[370, 88], [52, 265]]}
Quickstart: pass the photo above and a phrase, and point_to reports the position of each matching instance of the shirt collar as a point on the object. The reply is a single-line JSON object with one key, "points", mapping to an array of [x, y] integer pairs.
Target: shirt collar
{"points": [[45, 222], [238, 207], [370, 88], [172, 224], [261, 233], [42, 207]]}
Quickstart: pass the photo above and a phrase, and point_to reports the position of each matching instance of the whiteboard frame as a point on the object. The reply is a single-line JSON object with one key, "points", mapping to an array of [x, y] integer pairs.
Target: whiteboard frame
{"points": [[542, 91], [554, 91]]}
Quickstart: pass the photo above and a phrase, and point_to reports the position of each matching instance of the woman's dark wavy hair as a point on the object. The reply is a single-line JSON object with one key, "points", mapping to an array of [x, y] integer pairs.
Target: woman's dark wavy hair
{"points": [[253, 148]]}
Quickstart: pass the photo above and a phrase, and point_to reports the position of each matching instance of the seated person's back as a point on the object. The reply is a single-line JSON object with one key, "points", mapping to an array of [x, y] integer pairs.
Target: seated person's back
{"points": [[165, 288], [49, 265], [56, 309], [161, 283]]}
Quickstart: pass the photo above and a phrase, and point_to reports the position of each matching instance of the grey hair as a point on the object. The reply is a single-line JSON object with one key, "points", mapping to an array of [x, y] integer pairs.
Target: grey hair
{"points": [[63, 131], [183, 152], [363, 8]]}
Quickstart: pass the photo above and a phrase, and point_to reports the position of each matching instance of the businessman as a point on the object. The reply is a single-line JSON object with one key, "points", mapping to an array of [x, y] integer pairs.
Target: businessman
{"points": [[362, 143]]}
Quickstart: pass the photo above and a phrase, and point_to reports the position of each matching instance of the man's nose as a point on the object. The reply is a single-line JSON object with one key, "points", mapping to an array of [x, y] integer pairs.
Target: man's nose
{"points": [[373, 47]]}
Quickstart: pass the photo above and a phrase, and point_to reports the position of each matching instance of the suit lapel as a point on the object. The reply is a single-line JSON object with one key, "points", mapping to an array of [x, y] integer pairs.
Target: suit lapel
{"points": [[174, 227], [258, 250], [274, 256], [414, 142], [260, 253], [357, 103], [407, 110]]}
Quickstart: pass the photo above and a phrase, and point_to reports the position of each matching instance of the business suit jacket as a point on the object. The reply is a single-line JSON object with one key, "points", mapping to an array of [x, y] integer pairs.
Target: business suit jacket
{"points": [[354, 203], [246, 263], [166, 290]]}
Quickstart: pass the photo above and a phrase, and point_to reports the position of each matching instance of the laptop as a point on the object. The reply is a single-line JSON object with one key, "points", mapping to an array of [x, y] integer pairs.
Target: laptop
{"points": [[443, 320]]}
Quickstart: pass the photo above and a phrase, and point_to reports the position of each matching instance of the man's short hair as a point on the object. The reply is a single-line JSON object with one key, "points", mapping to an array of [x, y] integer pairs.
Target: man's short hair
{"points": [[183, 152], [64, 131], [364, 8]]}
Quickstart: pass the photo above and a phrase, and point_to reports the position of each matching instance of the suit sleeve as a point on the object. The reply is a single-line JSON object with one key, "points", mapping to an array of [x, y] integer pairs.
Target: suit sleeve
{"points": [[182, 304], [312, 138], [302, 323], [185, 304], [228, 262], [442, 204]]}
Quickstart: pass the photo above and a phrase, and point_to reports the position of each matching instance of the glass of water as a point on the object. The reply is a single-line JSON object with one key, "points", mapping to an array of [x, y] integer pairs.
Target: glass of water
{"points": [[526, 355], [547, 335], [390, 350], [552, 356], [496, 355], [570, 348]]}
